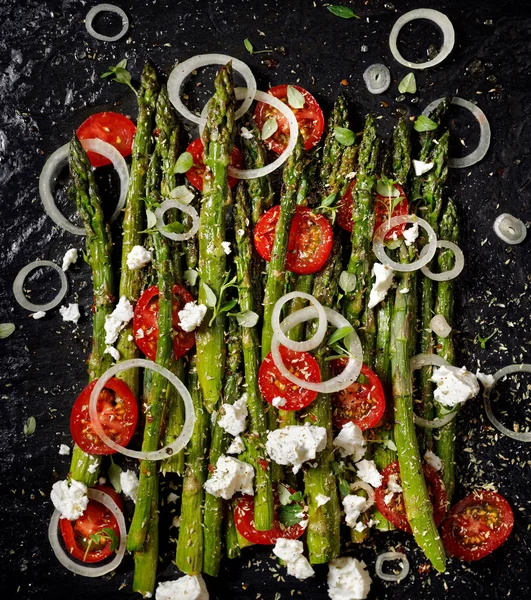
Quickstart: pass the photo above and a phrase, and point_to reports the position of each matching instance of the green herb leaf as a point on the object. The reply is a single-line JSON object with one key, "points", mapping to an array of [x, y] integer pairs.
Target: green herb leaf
{"points": [[247, 319], [345, 12], [107, 534], [408, 85], [190, 277], [30, 426], [390, 444], [423, 123], [297, 497], [269, 128], [184, 163], [210, 297], [248, 46], [483, 340], [228, 306], [339, 334], [120, 74], [386, 189], [151, 219], [329, 200], [283, 494], [295, 98], [347, 281], [344, 136], [174, 227], [114, 473], [6, 329], [289, 515], [344, 487]]}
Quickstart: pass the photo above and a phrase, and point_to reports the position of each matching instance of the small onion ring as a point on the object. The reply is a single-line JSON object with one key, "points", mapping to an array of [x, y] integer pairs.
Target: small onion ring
{"points": [[366, 487], [452, 273], [185, 208], [427, 253], [510, 229], [182, 70], [521, 436], [434, 423], [436, 17], [351, 372], [95, 10], [181, 440], [484, 139], [387, 556], [59, 159], [315, 340], [65, 559], [377, 78], [18, 286]]}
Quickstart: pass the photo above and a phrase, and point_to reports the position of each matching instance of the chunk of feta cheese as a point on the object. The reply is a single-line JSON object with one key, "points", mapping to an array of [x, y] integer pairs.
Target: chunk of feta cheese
{"points": [[454, 385], [189, 587], [192, 315], [129, 482], [237, 446], [353, 506], [230, 476], [138, 258], [39, 314], [113, 352], [291, 551], [392, 484], [349, 441], [64, 450], [383, 279], [69, 498], [368, 472], [69, 258], [433, 460], [421, 167], [117, 320], [295, 444], [226, 247], [321, 499], [348, 579], [246, 134], [487, 381], [411, 234], [234, 419], [70, 313], [278, 401], [300, 568]]}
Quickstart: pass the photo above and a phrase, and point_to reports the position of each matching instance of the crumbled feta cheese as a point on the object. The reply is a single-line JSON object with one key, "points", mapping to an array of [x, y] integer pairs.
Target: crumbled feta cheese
{"points": [[421, 167], [278, 401], [350, 442], [117, 320], [388, 497], [192, 315], [360, 526], [353, 505], [172, 498], [454, 385], [129, 482], [300, 568], [69, 258], [69, 498], [140, 333], [138, 257], [39, 314], [234, 419], [290, 551], [433, 460], [487, 381], [295, 444], [411, 234], [226, 247], [404, 291], [237, 446], [393, 485], [189, 587], [113, 352], [93, 467], [368, 472], [246, 134], [383, 279], [70, 313], [240, 232], [348, 579], [321, 499], [64, 450], [230, 476]]}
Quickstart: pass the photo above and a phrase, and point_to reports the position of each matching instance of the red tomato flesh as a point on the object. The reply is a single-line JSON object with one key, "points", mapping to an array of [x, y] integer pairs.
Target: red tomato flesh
{"points": [[196, 174], [111, 127]]}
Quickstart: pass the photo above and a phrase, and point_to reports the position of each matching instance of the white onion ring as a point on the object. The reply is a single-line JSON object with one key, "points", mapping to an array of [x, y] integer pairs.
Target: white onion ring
{"points": [[452, 273], [427, 253], [377, 78], [59, 159], [18, 286], [316, 339], [521, 436], [66, 560], [366, 487], [434, 423], [387, 556], [351, 372], [510, 229], [436, 17], [95, 10], [185, 208], [184, 436], [182, 70], [484, 138]]}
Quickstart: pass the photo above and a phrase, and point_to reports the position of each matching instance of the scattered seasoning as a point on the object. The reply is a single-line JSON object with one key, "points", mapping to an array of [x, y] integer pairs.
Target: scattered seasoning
{"points": [[345, 82], [30, 426], [345, 12]]}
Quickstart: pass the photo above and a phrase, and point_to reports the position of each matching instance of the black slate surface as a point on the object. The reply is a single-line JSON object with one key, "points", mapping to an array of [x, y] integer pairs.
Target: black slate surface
{"points": [[49, 83]]}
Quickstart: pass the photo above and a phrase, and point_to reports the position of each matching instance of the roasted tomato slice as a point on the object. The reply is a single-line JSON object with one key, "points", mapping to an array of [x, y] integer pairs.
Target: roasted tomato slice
{"points": [[118, 413], [244, 520], [310, 239], [274, 385], [197, 172], [361, 403], [111, 127], [394, 509], [477, 525], [145, 327], [76, 534], [310, 119]]}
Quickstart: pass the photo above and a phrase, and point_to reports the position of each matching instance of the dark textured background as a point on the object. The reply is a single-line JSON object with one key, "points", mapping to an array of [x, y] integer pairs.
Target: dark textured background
{"points": [[50, 83]]}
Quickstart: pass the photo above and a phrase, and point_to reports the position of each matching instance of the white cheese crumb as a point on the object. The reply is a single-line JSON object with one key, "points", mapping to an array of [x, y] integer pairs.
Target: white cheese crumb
{"points": [[388, 497], [348, 579], [234, 419], [192, 315], [246, 134], [138, 258], [237, 446], [421, 167], [411, 234], [278, 401], [189, 587], [69, 258], [290, 551], [433, 460], [353, 505], [172, 498], [230, 476], [350, 442], [454, 385], [393, 485], [321, 499], [117, 320], [360, 526], [226, 247], [295, 444], [368, 472], [383, 279], [487, 381], [404, 291], [140, 333], [300, 568], [130, 338], [39, 314], [64, 450], [129, 482], [113, 352], [69, 498], [70, 313]]}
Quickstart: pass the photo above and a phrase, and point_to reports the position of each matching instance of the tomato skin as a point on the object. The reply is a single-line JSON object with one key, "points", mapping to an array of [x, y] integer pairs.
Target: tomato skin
{"points": [[272, 383], [368, 397], [310, 239], [310, 119], [118, 419], [463, 522], [196, 173], [111, 127], [96, 517], [145, 321], [395, 511]]}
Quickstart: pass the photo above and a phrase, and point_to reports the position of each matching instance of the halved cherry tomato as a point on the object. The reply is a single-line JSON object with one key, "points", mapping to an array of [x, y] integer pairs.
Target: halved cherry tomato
{"points": [[145, 327], [310, 239], [395, 511], [76, 534], [244, 520], [117, 411], [477, 525], [310, 119], [197, 172], [361, 403], [111, 127], [273, 384]]}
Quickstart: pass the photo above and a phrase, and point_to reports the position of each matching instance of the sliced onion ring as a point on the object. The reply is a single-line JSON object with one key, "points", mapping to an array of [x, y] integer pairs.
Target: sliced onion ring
{"points": [[350, 373], [426, 254], [59, 159], [18, 286], [95, 10], [484, 138], [377, 78], [521, 436], [387, 556], [452, 273], [510, 229], [182, 70], [316, 339], [66, 560], [185, 208], [186, 433], [434, 423], [366, 487], [436, 17]]}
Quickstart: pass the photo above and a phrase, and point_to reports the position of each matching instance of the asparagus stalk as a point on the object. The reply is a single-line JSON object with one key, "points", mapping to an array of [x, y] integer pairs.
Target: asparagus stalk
{"points": [[146, 560], [332, 149], [232, 544]]}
